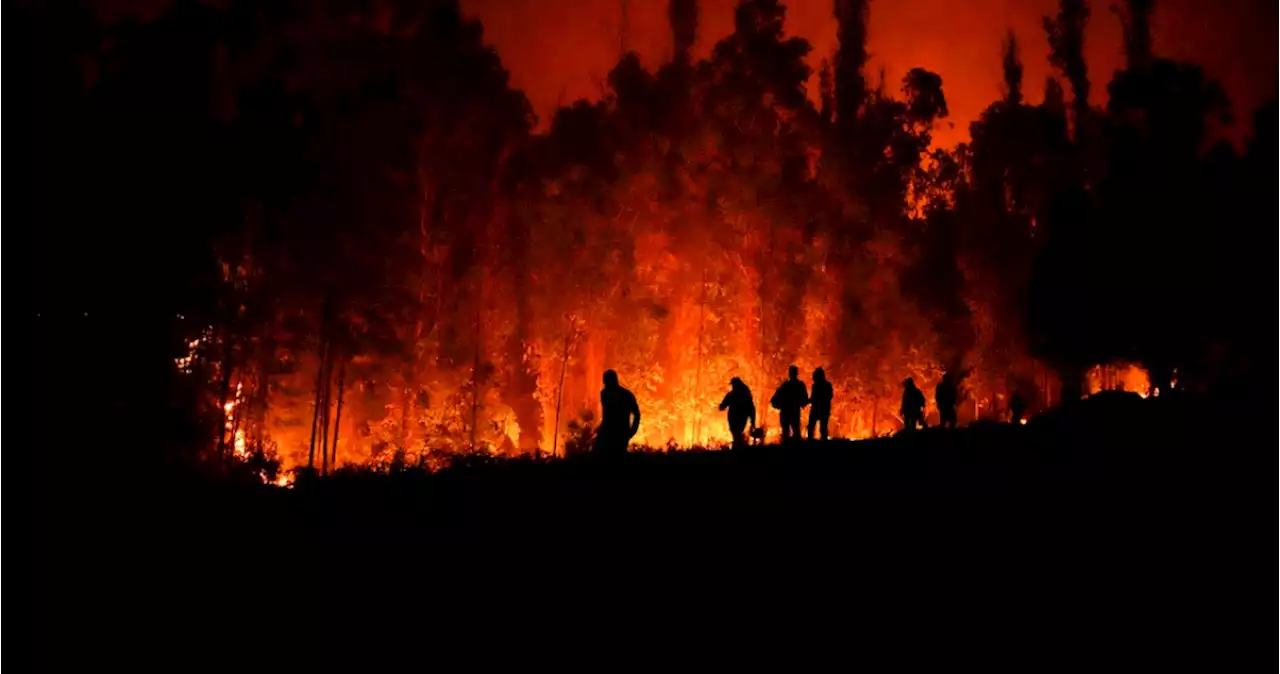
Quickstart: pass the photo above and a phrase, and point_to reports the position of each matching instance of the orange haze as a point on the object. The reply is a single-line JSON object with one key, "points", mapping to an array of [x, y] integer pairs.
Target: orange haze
{"points": [[561, 50]]}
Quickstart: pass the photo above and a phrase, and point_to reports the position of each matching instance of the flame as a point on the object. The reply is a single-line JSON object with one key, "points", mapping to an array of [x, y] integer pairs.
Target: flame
{"points": [[1119, 376], [239, 438]]}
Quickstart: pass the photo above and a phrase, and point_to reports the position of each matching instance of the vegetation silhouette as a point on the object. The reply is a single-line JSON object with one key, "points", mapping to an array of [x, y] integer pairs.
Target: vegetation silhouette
{"points": [[363, 224], [320, 242]]}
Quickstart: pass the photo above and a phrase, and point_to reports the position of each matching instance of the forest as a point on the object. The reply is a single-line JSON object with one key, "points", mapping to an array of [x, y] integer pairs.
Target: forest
{"points": [[326, 233]]}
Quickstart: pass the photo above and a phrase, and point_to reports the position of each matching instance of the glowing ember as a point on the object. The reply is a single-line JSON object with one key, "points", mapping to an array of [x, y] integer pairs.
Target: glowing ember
{"points": [[185, 362]]}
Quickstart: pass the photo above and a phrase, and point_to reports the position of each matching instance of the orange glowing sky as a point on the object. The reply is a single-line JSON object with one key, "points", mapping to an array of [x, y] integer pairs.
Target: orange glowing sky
{"points": [[561, 50]]}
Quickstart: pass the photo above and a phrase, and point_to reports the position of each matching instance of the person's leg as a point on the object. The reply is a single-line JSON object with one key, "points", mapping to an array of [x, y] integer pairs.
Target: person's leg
{"points": [[822, 422], [813, 421], [615, 444]]}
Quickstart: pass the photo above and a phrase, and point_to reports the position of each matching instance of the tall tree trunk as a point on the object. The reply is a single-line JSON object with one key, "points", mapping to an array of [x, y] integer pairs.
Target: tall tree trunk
{"points": [[697, 376], [475, 372], [521, 393], [262, 393], [315, 415], [564, 363], [324, 418], [337, 420]]}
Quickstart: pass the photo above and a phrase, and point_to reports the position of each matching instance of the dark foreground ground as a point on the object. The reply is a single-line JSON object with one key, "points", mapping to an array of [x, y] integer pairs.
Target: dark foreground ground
{"points": [[1121, 534]]}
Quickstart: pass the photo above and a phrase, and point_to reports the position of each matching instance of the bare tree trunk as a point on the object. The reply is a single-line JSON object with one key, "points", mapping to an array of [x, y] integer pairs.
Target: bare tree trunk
{"points": [[324, 419], [337, 421], [475, 375], [262, 393], [315, 415], [763, 407], [697, 376], [564, 364]]}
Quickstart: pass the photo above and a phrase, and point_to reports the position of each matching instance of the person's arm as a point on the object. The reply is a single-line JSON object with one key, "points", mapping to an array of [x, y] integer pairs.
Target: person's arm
{"points": [[635, 410], [724, 404], [804, 395]]}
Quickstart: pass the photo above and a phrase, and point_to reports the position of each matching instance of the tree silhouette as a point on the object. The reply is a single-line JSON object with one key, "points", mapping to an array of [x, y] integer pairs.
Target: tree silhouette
{"points": [[1012, 69], [354, 209], [1066, 52], [683, 17]]}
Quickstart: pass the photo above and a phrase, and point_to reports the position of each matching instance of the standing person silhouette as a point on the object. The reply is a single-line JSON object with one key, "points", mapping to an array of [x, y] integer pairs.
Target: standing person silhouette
{"points": [[912, 405], [820, 410], [741, 410], [788, 400], [619, 417], [945, 395]]}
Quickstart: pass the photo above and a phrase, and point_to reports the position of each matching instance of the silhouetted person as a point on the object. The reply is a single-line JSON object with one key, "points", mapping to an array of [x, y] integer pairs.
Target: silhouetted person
{"points": [[945, 395], [741, 410], [820, 401], [619, 417], [788, 400], [912, 405], [1017, 409]]}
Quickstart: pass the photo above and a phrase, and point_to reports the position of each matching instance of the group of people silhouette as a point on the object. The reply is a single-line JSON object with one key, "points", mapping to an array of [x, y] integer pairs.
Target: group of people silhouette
{"points": [[620, 413], [913, 403]]}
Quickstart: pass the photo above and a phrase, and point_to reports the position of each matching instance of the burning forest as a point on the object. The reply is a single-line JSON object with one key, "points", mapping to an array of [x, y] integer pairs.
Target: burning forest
{"points": [[382, 262]]}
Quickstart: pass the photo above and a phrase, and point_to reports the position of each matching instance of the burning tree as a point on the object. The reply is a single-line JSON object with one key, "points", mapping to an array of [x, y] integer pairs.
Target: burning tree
{"points": [[400, 267]]}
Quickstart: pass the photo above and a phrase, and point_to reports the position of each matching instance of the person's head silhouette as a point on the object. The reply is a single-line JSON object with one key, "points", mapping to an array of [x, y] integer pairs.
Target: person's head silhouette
{"points": [[610, 379], [909, 383], [737, 384], [819, 375], [793, 372]]}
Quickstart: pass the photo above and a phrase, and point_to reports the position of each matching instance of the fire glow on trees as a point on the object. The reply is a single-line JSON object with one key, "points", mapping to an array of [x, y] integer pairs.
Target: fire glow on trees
{"points": [[331, 225], [439, 278], [703, 222]]}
